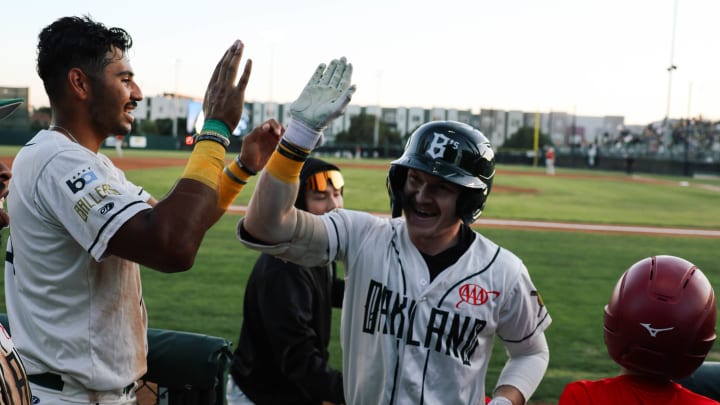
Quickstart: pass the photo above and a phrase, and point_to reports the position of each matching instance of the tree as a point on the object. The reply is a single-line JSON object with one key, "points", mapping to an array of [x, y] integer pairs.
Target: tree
{"points": [[148, 127], [524, 139], [362, 129]]}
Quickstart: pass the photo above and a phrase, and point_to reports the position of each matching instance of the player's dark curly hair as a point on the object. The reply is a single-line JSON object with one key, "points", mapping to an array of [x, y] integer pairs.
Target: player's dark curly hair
{"points": [[76, 42]]}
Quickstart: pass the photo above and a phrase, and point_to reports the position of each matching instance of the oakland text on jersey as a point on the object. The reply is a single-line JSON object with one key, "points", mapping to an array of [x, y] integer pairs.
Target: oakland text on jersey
{"points": [[391, 313]]}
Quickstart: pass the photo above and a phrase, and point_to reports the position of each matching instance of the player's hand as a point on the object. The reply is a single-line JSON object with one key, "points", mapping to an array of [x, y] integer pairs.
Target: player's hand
{"points": [[260, 143], [325, 96], [224, 99], [5, 175]]}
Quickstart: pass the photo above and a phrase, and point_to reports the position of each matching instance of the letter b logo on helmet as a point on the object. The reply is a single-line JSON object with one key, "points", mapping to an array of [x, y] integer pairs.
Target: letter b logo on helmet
{"points": [[438, 145], [454, 151]]}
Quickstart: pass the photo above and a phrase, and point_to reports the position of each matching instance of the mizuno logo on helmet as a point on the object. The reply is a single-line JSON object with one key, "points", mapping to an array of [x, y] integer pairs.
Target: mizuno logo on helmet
{"points": [[654, 331], [436, 149]]}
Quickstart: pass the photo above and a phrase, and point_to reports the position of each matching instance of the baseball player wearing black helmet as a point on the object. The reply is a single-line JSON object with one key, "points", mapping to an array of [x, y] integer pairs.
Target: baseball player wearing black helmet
{"points": [[425, 295]]}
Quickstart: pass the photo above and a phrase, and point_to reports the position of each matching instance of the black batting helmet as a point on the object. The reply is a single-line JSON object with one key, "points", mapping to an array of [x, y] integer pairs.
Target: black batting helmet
{"points": [[661, 317], [454, 151]]}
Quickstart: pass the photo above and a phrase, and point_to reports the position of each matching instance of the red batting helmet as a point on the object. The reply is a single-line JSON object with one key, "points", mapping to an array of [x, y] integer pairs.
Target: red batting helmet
{"points": [[661, 317]]}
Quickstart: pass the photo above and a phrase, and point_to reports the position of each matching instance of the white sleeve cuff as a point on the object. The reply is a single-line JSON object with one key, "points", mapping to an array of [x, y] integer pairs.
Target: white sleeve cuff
{"points": [[526, 365], [302, 136]]}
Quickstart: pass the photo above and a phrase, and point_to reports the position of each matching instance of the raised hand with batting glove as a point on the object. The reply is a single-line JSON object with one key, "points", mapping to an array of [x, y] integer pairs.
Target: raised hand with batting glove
{"points": [[324, 98]]}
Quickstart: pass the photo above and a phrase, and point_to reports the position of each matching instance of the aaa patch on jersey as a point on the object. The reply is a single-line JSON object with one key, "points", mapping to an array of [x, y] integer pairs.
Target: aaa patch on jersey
{"points": [[474, 294]]}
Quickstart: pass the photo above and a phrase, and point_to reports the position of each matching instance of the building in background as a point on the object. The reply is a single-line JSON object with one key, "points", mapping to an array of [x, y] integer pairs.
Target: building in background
{"points": [[563, 128]]}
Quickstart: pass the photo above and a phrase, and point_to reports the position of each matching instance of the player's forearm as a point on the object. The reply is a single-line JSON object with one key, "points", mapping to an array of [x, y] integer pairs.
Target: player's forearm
{"points": [[525, 367], [271, 213], [168, 236]]}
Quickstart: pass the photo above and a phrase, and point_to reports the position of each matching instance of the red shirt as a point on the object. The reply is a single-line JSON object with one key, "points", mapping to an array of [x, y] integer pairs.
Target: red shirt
{"points": [[631, 390]]}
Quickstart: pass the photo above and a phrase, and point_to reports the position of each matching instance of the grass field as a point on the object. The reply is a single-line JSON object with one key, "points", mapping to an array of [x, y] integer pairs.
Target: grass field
{"points": [[575, 272]]}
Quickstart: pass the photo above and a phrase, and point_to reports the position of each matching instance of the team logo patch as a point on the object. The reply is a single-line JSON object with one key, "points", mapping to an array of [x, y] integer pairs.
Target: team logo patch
{"points": [[93, 197], [475, 295], [106, 208], [81, 179], [440, 142], [540, 301], [654, 331]]}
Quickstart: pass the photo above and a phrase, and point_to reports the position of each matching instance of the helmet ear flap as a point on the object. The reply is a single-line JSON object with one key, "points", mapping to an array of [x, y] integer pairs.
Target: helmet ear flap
{"points": [[395, 182], [470, 205]]}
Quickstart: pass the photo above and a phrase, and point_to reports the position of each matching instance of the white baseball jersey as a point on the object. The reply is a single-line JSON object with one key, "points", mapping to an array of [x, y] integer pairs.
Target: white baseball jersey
{"points": [[73, 310], [14, 385], [409, 340]]}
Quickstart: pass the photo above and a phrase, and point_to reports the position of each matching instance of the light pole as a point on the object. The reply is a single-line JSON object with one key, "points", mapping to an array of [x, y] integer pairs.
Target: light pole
{"points": [[670, 69]]}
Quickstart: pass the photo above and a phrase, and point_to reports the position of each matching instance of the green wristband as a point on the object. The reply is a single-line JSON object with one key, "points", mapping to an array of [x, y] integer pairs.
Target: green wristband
{"points": [[216, 126]]}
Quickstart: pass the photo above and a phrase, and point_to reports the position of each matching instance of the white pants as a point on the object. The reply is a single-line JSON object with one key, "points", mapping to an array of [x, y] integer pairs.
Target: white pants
{"points": [[550, 166], [234, 395], [73, 394]]}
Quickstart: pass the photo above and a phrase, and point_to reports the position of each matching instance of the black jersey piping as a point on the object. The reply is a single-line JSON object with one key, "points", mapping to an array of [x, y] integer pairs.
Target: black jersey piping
{"points": [[102, 228], [404, 286]]}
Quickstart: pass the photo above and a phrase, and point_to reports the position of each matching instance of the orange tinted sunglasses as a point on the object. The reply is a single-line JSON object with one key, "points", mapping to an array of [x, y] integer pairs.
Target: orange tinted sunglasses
{"points": [[319, 181]]}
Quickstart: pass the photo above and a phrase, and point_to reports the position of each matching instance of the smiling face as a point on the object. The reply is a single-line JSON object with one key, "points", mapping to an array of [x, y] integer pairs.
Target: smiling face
{"points": [[114, 95], [430, 211], [320, 202]]}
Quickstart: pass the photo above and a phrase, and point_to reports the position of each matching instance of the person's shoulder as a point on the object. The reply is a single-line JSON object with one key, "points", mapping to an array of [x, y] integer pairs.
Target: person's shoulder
{"points": [[359, 221], [268, 267], [47, 146], [589, 392], [487, 246]]}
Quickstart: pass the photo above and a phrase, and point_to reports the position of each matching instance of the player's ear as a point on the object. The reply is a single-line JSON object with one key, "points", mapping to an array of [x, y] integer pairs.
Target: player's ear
{"points": [[78, 83]]}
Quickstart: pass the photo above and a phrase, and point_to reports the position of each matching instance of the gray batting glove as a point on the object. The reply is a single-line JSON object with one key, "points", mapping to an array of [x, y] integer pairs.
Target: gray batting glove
{"points": [[325, 96]]}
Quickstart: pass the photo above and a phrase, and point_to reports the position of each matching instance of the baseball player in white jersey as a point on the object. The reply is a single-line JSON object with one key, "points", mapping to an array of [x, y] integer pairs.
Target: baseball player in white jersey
{"points": [[80, 229], [425, 294], [14, 386]]}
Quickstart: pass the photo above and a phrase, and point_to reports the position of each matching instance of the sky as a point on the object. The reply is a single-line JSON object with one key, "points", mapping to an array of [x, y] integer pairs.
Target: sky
{"points": [[584, 57]]}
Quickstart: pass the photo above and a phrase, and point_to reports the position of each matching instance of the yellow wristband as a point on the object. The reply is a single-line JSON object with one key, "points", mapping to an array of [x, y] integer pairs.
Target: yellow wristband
{"points": [[232, 182], [206, 163], [283, 168], [227, 191]]}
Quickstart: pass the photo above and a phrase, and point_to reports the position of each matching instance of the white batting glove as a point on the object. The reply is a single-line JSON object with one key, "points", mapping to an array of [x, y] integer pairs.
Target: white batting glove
{"points": [[500, 401], [323, 99]]}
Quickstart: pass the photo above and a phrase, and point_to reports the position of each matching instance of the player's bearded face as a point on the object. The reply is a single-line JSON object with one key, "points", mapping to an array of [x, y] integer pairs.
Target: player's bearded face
{"points": [[113, 96], [429, 203]]}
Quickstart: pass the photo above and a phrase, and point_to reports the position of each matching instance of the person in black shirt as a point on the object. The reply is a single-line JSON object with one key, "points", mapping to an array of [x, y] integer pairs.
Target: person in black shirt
{"points": [[281, 355]]}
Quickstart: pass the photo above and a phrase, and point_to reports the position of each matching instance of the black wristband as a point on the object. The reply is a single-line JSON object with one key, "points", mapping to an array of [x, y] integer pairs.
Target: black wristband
{"points": [[243, 167], [212, 136], [233, 177]]}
